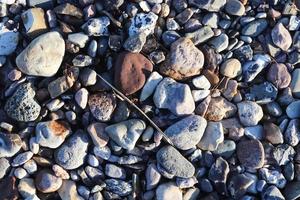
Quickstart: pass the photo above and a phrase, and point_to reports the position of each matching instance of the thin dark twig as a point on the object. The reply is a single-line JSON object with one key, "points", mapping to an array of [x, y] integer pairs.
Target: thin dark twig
{"points": [[137, 108]]}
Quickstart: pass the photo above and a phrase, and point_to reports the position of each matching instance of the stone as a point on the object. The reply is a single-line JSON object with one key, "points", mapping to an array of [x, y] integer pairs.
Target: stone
{"points": [[118, 187], [152, 176], [114, 171], [102, 105], [238, 185], [82, 60], [272, 192], [252, 68], [219, 108], [292, 132], [250, 113], [183, 61], [126, 133], [279, 75], [220, 43], [4, 167], [295, 83], [98, 134], [168, 191], [41, 59], [68, 9], [26, 188], [47, 182], [34, 21], [9, 190], [143, 23], [273, 133], [255, 28], [201, 35], [154, 79], [68, 191], [81, 97], [9, 40], [52, 134], [291, 191], [273, 177], [283, 154], [45, 4], [201, 82], [212, 136], [135, 43], [211, 19], [218, 174], [102, 152], [253, 156], [10, 144], [254, 132], [21, 106], [174, 96], [231, 68], [72, 153], [88, 77], [225, 149], [293, 110], [187, 132], [174, 163], [281, 37], [96, 26], [234, 7], [79, 39], [262, 93], [199, 95], [22, 158], [131, 71]]}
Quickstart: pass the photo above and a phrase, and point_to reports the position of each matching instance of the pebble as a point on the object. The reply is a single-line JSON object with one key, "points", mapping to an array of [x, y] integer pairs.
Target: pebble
{"points": [[114, 171], [211, 19], [154, 79], [218, 174], [4, 166], [201, 35], [79, 39], [225, 149], [135, 43], [231, 68], [9, 189], [20, 173], [52, 134], [272, 192], [291, 191], [26, 188], [10, 145], [273, 177], [235, 7], [34, 21], [187, 132], [118, 187], [47, 182], [126, 133], [41, 59], [153, 176], [238, 185], [273, 133], [72, 153], [168, 191], [253, 156], [220, 43], [183, 61], [201, 82], [263, 93], [98, 134], [96, 26], [174, 96], [82, 60], [199, 95], [9, 40], [255, 28], [279, 75], [219, 108], [22, 158], [143, 23], [295, 83], [102, 152], [102, 105], [250, 113], [212, 136], [281, 37], [174, 163], [131, 71], [81, 97], [252, 68], [68, 191], [88, 77], [293, 110]]}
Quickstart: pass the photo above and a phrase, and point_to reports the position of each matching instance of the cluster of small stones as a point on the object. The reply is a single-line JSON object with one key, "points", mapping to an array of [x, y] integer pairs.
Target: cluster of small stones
{"points": [[220, 78]]}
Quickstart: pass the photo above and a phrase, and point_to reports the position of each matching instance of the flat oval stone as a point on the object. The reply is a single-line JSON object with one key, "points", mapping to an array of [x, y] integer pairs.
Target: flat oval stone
{"points": [[10, 144], [250, 113], [279, 75], [295, 84], [131, 70], [255, 28], [47, 182], [174, 163], [41, 59], [293, 110], [186, 133], [231, 68]]}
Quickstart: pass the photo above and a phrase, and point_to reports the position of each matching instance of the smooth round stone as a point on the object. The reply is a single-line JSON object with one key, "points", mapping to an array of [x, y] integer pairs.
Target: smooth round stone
{"points": [[255, 28], [68, 191], [98, 134], [102, 105], [102, 152], [199, 95], [279, 75], [281, 37], [118, 187], [72, 153], [292, 190], [20, 173], [9, 40], [225, 149], [10, 144], [184, 60], [88, 77], [126, 133], [231, 68], [201, 82], [174, 163], [79, 39], [295, 84], [152, 176], [186, 133], [150, 85], [21, 106], [81, 97], [41, 59], [218, 174], [293, 110], [212, 136], [26, 188], [4, 167], [47, 182], [234, 7], [174, 96], [273, 133], [274, 109], [52, 133], [131, 71], [250, 113], [114, 171], [220, 43], [168, 191], [253, 155]]}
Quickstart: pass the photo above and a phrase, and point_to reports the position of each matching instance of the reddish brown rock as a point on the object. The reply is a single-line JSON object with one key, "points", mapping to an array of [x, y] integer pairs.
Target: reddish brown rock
{"points": [[131, 71], [279, 75], [9, 190]]}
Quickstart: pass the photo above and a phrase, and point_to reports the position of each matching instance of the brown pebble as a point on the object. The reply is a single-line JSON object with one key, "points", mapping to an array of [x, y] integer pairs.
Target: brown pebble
{"points": [[211, 76]]}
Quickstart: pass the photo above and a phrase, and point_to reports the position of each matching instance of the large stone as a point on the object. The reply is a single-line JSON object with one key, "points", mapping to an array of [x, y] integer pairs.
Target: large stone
{"points": [[8, 39], [68, 191], [183, 61], [212, 136], [21, 106], [143, 23], [43, 56], [131, 71], [186, 133], [174, 163], [174, 96], [10, 144]]}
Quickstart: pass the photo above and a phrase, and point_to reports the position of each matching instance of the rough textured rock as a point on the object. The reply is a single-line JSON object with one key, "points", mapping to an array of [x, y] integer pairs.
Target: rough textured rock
{"points": [[168, 191], [219, 108]]}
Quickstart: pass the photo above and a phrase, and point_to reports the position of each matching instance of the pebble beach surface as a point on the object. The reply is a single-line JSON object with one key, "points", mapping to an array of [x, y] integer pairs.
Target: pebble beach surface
{"points": [[149, 99]]}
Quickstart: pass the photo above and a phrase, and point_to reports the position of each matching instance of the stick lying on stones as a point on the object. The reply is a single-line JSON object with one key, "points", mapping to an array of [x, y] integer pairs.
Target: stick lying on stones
{"points": [[137, 108]]}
